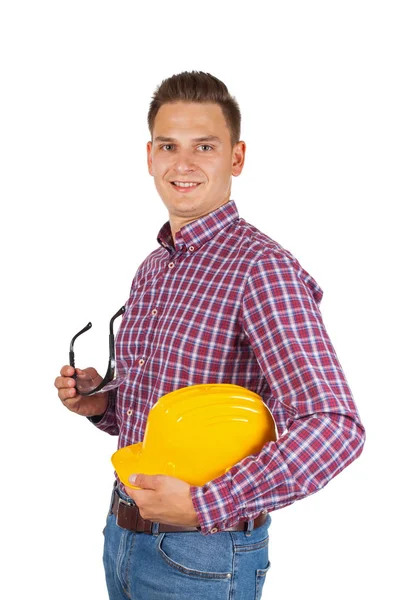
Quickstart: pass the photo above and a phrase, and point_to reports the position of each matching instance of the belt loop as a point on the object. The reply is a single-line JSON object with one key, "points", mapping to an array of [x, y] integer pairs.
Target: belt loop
{"points": [[154, 528], [249, 527]]}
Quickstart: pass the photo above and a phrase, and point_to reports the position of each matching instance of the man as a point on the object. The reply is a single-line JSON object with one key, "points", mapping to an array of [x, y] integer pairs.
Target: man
{"points": [[217, 301]]}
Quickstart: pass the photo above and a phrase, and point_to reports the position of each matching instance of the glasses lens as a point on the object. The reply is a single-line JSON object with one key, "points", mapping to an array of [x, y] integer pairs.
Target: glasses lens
{"points": [[88, 380]]}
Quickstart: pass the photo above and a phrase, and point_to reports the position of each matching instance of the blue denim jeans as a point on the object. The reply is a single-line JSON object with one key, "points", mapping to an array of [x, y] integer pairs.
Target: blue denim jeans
{"points": [[228, 565]]}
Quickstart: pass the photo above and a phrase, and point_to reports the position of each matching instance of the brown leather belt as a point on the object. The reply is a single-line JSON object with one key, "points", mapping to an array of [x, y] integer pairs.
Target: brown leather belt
{"points": [[128, 517]]}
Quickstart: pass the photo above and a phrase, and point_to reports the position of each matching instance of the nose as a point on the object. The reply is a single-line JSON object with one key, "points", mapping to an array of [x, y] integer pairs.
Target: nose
{"points": [[184, 161]]}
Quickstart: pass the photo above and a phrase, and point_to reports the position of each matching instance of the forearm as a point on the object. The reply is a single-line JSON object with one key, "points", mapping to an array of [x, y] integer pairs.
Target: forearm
{"points": [[299, 463]]}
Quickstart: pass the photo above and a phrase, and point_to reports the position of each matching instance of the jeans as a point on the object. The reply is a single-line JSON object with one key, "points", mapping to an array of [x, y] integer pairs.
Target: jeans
{"points": [[228, 565]]}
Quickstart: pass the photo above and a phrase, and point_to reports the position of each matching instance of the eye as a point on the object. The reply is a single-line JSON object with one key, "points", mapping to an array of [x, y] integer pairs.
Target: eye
{"points": [[205, 146], [166, 146]]}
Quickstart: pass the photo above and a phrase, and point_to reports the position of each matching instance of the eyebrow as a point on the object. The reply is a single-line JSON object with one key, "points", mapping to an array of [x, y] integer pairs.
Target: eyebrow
{"points": [[207, 138]]}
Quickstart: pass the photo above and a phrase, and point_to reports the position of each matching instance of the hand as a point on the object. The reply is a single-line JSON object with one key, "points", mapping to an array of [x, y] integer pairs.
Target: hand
{"points": [[164, 499], [87, 406]]}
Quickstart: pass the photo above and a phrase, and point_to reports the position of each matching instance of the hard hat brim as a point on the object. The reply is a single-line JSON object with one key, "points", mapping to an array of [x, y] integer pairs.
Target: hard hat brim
{"points": [[127, 461]]}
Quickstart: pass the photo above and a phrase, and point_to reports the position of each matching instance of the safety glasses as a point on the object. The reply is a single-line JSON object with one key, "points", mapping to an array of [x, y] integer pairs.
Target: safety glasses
{"points": [[87, 385]]}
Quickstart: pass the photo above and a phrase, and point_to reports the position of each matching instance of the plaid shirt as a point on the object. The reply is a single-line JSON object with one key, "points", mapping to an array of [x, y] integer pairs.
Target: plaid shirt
{"points": [[227, 304]]}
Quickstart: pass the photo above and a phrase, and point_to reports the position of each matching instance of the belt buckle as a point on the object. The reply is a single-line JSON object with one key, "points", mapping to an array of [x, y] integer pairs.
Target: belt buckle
{"points": [[124, 514], [123, 501]]}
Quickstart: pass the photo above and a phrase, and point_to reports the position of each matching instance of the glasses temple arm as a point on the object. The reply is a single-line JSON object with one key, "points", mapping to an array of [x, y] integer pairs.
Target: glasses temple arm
{"points": [[111, 363], [71, 347]]}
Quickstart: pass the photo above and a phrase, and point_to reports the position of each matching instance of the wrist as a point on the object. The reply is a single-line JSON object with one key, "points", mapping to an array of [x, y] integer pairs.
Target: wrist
{"points": [[99, 415]]}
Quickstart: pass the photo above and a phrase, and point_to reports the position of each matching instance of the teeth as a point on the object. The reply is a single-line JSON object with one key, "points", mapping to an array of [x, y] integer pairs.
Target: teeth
{"points": [[181, 184]]}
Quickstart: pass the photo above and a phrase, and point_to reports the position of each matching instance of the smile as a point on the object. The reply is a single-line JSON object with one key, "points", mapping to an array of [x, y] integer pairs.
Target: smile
{"points": [[183, 186]]}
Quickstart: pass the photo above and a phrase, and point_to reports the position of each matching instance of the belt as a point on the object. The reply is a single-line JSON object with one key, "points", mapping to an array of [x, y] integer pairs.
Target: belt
{"points": [[128, 517]]}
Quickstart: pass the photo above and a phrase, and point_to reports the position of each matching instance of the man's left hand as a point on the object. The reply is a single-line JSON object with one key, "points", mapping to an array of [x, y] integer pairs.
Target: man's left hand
{"points": [[163, 499]]}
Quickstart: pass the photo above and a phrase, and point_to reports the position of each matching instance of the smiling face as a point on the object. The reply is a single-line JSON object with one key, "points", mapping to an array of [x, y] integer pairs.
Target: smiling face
{"points": [[192, 144]]}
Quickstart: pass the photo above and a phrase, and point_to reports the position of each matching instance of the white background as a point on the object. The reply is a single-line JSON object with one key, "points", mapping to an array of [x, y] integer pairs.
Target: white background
{"points": [[318, 87]]}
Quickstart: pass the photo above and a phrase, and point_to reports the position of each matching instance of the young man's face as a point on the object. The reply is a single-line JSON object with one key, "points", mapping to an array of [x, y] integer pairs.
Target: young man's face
{"points": [[191, 143]]}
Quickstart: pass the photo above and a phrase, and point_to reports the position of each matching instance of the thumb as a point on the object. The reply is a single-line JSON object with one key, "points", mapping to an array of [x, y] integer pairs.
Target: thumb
{"points": [[147, 482]]}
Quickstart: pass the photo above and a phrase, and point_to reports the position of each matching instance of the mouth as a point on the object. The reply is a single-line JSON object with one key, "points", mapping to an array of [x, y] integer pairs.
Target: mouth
{"points": [[185, 189]]}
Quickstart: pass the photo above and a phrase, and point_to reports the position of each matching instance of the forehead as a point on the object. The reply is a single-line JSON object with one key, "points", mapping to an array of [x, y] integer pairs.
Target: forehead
{"points": [[194, 118]]}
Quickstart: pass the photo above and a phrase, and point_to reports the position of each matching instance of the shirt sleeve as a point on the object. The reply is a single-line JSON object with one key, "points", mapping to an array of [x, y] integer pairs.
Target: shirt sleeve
{"points": [[324, 434], [108, 421]]}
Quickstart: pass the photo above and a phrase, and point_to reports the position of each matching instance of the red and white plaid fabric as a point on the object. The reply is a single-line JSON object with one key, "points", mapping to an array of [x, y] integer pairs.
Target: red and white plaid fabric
{"points": [[228, 304]]}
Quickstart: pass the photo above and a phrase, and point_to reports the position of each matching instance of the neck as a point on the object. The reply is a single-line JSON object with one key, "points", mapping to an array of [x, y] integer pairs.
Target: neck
{"points": [[176, 223]]}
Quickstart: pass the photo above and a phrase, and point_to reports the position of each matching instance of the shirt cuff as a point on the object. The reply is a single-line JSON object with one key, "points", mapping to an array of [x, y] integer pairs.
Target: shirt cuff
{"points": [[97, 418], [215, 505]]}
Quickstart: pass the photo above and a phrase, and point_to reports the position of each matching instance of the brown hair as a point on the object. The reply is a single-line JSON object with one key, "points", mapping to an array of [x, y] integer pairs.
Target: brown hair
{"points": [[196, 86]]}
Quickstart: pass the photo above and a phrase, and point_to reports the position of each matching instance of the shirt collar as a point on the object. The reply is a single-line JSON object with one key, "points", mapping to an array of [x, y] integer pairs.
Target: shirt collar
{"points": [[198, 232]]}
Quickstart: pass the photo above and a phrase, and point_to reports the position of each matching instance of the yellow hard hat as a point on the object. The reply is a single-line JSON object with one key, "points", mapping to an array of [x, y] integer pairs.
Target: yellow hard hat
{"points": [[197, 433]]}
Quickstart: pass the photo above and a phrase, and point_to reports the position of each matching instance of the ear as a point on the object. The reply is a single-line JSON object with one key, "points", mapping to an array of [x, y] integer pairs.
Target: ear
{"points": [[238, 154], [149, 157]]}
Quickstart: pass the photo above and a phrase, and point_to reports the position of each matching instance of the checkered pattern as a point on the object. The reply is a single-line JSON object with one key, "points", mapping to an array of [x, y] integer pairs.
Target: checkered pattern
{"points": [[227, 304]]}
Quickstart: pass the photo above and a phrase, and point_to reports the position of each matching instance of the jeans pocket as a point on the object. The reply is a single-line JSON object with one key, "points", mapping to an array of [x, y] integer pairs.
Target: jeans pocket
{"points": [[260, 580], [207, 557]]}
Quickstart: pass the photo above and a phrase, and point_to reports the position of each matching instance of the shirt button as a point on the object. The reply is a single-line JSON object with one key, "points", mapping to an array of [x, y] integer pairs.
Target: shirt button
{"points": [[129, 412], [141, 362], [171, 265], [154, 311], [191, 248], [214, 530]]}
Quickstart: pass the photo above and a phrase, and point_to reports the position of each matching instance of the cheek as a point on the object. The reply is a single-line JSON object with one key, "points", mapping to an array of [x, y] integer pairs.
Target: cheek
{"points": [[218, 174], [217, 165], [162, 165]]}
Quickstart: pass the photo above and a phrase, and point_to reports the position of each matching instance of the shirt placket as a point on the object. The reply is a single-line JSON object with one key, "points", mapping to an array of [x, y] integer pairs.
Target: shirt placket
{"points": [[154, 308]]}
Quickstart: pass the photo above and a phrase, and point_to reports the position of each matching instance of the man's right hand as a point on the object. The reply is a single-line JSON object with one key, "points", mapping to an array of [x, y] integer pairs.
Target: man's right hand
{"points": [[87, 406]]}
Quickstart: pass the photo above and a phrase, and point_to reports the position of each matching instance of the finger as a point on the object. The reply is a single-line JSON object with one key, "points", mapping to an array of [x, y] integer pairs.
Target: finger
{"points": [[142, 481], [83, 374], [67, 394], [67, 371], [64, 382], [87, 379], [128, 491], [133, 494], [89, 373], [72, 403]]}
